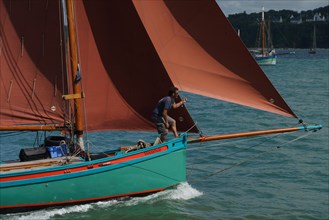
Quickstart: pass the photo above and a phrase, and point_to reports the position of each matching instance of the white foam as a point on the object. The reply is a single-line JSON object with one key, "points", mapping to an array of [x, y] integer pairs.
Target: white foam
{"points": [[49, 213], [183, 191]]}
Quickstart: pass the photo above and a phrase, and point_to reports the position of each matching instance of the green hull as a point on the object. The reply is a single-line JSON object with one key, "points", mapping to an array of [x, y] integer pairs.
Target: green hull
{"points": [[137, 176], [267, 60]]}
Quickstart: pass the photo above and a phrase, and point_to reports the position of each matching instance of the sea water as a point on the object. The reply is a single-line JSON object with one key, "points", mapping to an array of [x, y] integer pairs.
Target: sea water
{"points": [[274, 177]]}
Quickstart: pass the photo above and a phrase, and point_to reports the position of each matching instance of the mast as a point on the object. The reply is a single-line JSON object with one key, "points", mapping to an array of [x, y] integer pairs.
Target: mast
{"points": [[314, 38], [74, 70], [263, 31], [269, 43]]}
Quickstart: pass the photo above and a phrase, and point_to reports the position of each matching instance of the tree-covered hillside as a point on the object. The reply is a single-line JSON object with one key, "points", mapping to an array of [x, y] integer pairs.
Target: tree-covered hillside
{"points": [[289, 29]]}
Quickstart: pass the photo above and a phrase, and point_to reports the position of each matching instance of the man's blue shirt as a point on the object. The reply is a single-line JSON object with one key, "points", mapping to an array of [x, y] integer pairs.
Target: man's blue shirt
{"points": [[164, 103]]}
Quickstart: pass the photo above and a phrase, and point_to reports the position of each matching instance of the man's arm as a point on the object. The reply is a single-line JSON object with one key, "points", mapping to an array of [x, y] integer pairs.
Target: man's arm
{"points": [[178, 104]]}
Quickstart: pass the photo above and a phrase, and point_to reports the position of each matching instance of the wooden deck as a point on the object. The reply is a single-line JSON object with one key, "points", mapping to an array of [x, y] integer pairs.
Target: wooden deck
{"points": [[37, 164]]}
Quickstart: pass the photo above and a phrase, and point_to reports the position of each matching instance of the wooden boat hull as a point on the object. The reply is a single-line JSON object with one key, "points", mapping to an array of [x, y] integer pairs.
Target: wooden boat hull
{"points": [[266, 60], [136, 173]]}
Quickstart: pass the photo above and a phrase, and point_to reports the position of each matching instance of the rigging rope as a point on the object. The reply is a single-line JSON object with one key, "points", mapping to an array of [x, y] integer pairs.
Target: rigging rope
{"points": [[194, 125], [248, 159]]}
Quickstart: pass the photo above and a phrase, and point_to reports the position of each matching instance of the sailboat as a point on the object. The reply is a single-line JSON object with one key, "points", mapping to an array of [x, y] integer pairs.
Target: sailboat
{"points": [[85, 66], [313, 47], [266, 55]]}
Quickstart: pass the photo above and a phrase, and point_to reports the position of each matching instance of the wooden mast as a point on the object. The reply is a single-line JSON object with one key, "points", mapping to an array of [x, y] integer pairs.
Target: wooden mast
{"points": [[314, 38], [263, 32], [74, 70], [268, 32]]}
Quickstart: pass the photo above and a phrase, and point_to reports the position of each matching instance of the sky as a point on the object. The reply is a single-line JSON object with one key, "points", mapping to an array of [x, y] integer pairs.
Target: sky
{"points": [[250, 6]]}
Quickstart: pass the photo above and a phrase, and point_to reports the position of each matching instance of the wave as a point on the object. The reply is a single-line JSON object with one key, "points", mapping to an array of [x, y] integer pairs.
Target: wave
{"points": [[183, 191]]}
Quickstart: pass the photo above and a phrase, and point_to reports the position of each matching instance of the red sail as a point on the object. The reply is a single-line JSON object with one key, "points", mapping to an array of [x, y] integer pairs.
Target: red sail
{"points": [[127, 49], [31, 67], [203, 54], [122, 74]]}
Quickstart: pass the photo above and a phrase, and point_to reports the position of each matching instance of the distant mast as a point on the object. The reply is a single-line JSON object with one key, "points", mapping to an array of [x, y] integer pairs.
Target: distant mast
{"points": [[263, 31], [314, 38], [313, 47]]}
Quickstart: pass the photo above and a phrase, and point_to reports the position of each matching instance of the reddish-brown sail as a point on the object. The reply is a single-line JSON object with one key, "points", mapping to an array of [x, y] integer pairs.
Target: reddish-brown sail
{"points": [[123, 76], [203, 54], [31, 64], [127, 49]]}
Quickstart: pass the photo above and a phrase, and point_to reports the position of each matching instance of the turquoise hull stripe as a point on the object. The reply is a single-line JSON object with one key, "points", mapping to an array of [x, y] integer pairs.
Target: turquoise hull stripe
{"points": [[162, 173], [152, 172], [80, 173], [106, 159]]}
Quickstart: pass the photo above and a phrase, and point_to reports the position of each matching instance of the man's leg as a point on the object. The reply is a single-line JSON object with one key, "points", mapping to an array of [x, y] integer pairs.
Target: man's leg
{"points": [[162, 130], [161, 127], [163, 137], [172, 124]]}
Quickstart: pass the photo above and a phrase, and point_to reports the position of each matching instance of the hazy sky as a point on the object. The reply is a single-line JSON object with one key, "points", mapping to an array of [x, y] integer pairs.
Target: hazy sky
{"points": [[238, 6]]}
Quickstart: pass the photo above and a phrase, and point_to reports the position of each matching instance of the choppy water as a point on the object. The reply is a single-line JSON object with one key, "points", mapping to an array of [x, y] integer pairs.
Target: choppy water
{"points": [[276, 177]]}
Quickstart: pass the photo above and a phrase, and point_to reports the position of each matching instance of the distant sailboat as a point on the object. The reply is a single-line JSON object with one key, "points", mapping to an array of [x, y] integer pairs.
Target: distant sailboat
{"points": [[266, 55], [107, 72], [313, 47]]}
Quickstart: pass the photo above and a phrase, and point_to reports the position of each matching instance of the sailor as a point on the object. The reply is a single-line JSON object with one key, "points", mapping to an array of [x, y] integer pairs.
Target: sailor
{"points": [[160, 114]]}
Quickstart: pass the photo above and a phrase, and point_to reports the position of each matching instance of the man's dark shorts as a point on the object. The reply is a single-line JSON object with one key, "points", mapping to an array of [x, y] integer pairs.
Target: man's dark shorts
{"points": [[161, 127]]}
